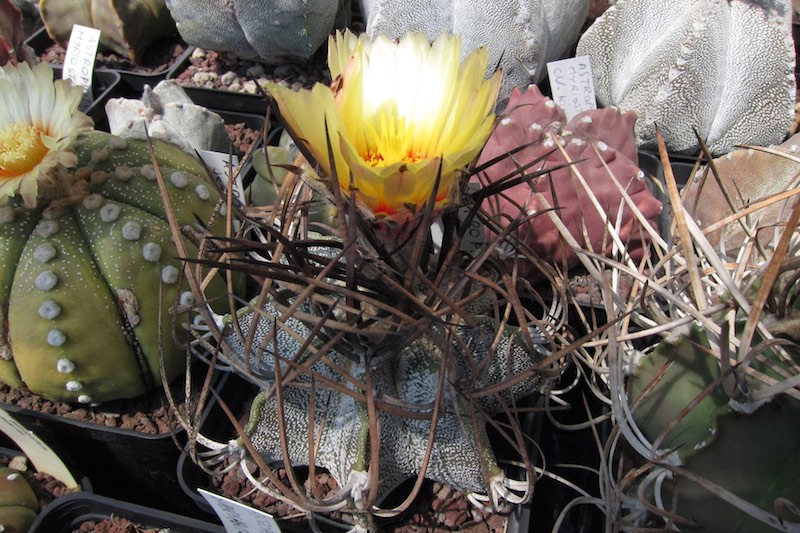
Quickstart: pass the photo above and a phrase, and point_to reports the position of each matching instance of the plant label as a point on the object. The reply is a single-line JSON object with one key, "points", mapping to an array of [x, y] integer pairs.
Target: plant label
{"points": [[572, 85], [81, 53], [239, 518]]}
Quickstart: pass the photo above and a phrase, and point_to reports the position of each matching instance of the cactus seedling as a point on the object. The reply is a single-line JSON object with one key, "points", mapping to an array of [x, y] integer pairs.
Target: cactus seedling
{"points": [[89, 271], [127, 27]]}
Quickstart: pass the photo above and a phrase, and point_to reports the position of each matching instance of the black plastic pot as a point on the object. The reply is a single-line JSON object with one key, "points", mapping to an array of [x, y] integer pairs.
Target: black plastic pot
{"points": [[191, 477], [105, 83], [133, 80], [121, 463], [67, 514], [218, 99]]}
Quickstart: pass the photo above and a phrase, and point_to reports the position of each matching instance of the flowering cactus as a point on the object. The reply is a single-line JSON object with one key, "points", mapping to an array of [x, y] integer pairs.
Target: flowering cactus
{"points": [[385, 365], [598, 147], [724, 69], [522, 36], [272, 31], [127, 28], [89, 273], [394, 132]]}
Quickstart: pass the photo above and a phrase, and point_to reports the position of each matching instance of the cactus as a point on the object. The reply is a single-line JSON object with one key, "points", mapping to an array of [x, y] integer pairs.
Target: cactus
{"points": [[521, 36], [599, 148], [128, 27], [18, 503], [383, 353], [81, 284], [89, 271], [708, 404], [722, 68], [274, 32], [741, 173], [166, 112]]}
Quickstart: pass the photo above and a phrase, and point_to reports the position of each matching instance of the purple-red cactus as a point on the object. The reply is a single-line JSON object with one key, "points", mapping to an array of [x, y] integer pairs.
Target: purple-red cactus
{"points": [[601, 144]]}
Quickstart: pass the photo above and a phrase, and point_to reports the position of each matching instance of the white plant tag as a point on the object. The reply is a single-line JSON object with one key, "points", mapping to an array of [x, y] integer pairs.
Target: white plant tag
{"points": [[220, 165], [572, 85], [81, 53], [239, 518], [41, 456], [474, 238]]}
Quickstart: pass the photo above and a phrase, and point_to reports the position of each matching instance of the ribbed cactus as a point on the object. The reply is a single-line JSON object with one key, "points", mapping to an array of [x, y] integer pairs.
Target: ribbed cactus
{"points": [[522, 36], [272, 31], [18, 503], [128, 26], [724, 69], [589, 160], [88, 282]]}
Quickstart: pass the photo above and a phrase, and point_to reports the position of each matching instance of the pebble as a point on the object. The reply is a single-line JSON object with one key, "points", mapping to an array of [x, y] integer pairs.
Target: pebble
{"points": [[250, 87], [228, 78], [255, 71], [284, 71]]}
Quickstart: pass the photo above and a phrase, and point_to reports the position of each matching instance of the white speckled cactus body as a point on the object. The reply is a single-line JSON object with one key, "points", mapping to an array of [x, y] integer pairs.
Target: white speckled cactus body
{"points": [[267, 29], [461, 453], [722, 68], [522, 35], [88, 282]]}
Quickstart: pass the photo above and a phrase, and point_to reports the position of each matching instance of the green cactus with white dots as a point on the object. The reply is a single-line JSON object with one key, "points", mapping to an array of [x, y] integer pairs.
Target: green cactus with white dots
{"points": [[87, 284]]}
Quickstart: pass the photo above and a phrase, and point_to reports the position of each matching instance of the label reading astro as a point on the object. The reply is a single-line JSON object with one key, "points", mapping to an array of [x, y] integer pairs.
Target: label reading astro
{"points": [[572, 85]]}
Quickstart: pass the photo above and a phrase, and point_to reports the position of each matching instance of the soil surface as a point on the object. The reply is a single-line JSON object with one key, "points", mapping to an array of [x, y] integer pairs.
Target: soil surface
{"points": [[438, 508], [149, 414], [114, 524], [157, 59]]}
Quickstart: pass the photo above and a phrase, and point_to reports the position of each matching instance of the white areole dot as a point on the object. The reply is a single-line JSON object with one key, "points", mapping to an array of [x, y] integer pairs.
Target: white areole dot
{"points": [[46, 280], [169, 274], [49, 310], [74, 386], [65, 366], [47, 228], [110, 212], [44, 252], [151, 252], [179, 179], [93, 201], [131, 231], [56, 337]]}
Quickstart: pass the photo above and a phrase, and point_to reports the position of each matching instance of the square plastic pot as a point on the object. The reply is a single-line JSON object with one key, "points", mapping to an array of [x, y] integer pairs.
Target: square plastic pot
{"points": [[66, 515], [121, 463], [133, 80]]}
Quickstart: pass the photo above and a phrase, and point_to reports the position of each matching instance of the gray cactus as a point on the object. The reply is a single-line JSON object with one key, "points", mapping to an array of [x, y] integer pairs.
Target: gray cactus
{"points": [[461, 454], [723, 68], [267, 29], [521, 35]]}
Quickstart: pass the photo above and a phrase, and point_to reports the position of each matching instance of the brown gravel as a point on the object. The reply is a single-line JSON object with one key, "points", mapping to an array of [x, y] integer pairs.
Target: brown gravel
{"points": [[149, 414]]}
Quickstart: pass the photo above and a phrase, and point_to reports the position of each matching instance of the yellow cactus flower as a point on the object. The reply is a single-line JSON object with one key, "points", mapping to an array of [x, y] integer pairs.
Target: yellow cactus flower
{"points": [[39, 121], [395, 112]]}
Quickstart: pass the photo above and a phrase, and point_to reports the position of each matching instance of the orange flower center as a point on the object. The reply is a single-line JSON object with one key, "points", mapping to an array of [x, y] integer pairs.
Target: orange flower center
{"points": [[374, 158], [21, 149]]}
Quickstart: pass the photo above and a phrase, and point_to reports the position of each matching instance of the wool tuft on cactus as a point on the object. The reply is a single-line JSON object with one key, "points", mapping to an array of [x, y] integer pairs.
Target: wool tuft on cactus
{"points": [[89, 273]]}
